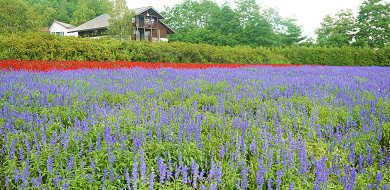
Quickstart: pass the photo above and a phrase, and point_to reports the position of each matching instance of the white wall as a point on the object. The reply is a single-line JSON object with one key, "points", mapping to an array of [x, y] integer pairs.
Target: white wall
{"points": [[55, 27]]}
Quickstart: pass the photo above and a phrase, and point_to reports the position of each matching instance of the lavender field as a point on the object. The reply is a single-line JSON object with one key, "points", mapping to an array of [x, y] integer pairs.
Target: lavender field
{"points": [[215, 128]]}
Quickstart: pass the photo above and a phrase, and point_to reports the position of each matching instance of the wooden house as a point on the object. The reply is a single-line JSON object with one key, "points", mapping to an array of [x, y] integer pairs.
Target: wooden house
{"points": [[148, 25]]}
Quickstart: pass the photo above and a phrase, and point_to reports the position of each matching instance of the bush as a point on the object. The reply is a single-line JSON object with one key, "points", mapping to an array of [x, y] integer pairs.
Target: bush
{"points": [[45, 46]]}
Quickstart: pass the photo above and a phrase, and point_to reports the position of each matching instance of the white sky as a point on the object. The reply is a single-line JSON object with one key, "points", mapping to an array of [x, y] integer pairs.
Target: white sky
{"points": [[308, 12]]}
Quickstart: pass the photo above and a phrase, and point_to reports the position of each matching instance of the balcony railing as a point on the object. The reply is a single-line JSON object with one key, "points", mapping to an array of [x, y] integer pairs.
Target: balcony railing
{"points": [[146, 22]]}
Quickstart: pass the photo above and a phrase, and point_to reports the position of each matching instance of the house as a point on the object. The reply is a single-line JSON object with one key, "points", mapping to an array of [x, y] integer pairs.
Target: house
{"points": [[148, 25], [61, 29]]}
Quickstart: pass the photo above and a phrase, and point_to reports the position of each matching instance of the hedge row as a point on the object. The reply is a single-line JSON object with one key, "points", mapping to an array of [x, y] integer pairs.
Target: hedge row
{"points": [[336, 56], [44, 46]]}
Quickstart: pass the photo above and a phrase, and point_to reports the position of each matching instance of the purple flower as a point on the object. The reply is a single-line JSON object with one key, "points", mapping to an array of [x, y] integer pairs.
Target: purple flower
{"points": [[270, 183], [378, 178], [260, 173], [184, 171], [352, 177], [70, 163], [112, 170], [303, 160], [278, 180], [291, 187], [127, 178], [93, 166], [135, 172], [65, 186], [6, 181], [21, 157], [16, 176], [12, 152], [56, 181], [195, 171], [151, 180], [222, 152], [143, 166], [98, 142], [49, 164], [90, 178], [105, 174]]}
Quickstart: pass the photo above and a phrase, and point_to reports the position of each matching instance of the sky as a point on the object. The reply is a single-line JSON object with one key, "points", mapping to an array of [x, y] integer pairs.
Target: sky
{"points": [[309, 13]]}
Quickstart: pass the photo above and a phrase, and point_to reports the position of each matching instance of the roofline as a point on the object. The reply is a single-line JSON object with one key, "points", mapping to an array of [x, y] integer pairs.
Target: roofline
{"points": [[173, 31], [60, 23], [72, 31], [150, 7]]}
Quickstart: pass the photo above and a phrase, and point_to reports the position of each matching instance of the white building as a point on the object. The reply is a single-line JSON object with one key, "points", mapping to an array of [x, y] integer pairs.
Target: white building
{"points": [[61, 29]]}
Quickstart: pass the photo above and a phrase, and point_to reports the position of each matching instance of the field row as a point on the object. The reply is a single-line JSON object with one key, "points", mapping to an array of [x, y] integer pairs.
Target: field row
{"points": [[75, 65], [212, 128]]}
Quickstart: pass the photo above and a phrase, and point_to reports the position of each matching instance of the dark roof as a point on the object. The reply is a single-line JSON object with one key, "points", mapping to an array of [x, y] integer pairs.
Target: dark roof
{"points": [[170, 30], [96, 23], [144, 9], [68, 26]]}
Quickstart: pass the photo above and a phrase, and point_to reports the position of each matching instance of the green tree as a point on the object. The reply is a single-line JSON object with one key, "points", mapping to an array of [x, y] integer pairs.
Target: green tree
{"points": [[255, 29], [49, 15], [82, 14], [34, 18], [373, 24], [89, 9], [13, 15], [287, 31], [337, 31], [121, 25]]}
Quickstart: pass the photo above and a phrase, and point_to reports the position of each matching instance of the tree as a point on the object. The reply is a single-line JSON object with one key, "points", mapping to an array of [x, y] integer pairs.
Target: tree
{"points": [[287, 31], [49, 15], [89, 9], [13, 15], [120, 22], [255, 29], [34, 18], [337, 31], [374, 23], [82, 14]]}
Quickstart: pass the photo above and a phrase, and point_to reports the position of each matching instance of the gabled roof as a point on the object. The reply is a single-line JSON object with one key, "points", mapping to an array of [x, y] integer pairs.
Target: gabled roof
{"points": [[148, 8], [67, 26], [96, 23], [170, 30]]}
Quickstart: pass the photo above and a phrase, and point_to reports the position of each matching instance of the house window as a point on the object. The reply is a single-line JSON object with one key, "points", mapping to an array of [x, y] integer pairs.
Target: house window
{"points": [[94, 33], [61, 33]]}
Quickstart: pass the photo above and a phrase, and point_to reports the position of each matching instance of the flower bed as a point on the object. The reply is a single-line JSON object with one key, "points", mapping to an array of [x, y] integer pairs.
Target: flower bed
{"points": [[177, 128]]}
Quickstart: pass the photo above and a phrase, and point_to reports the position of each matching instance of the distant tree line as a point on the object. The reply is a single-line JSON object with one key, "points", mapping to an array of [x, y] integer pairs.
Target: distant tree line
{"points": [[248, 24], [204, 21]]}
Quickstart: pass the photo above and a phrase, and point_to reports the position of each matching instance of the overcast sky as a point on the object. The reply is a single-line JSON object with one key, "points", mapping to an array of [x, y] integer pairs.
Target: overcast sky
{"points": [[308, 12]]}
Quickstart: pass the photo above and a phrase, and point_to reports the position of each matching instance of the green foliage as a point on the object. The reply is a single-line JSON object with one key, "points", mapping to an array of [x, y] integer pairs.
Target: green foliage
{"points": [[337, 31], [13, 15], [373, 24], [121, 25], [43, 46], [207, 22]]}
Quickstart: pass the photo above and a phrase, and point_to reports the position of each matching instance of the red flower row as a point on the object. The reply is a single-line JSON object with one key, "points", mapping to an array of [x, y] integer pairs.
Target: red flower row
{"points": [[75, 65]]}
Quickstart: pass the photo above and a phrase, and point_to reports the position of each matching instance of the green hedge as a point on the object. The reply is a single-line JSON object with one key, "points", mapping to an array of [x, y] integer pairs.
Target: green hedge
{"points": [[340, 56], [44, 46]]}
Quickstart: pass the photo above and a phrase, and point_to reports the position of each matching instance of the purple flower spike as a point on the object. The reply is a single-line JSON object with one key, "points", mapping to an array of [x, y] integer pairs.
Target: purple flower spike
{"points": [[135, 172], [151, 181]]}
